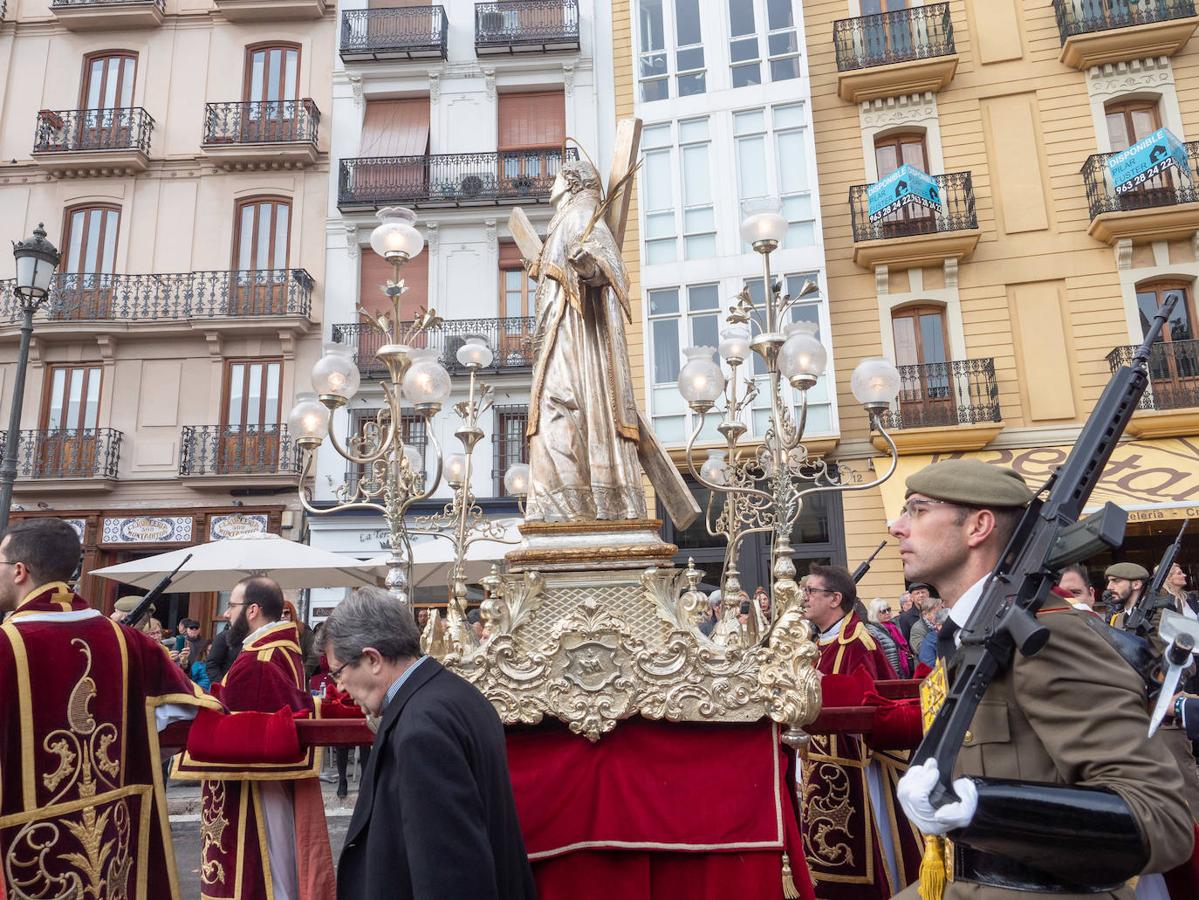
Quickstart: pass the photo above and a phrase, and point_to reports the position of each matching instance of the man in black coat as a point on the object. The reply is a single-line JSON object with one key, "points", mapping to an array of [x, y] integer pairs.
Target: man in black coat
{"points": [[435, 817]]}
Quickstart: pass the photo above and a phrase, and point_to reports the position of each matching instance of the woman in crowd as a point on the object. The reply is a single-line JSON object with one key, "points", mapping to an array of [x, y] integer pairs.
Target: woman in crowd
{"points": [[880, 614]]}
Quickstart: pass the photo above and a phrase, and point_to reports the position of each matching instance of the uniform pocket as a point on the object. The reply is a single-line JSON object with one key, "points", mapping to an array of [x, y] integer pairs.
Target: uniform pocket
{"points": [[985, 747]]}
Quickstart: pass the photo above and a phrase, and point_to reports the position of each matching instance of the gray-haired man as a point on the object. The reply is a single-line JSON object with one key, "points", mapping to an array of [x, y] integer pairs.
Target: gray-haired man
{"points": [[435, 816]]}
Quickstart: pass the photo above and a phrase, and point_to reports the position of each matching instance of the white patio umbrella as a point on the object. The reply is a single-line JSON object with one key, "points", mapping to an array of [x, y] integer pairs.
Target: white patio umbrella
{"points": [[433, 557], [219, 565]]}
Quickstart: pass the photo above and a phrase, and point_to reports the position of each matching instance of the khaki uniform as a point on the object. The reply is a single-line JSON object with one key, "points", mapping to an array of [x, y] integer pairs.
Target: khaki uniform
{"points": [[1074, 714]]}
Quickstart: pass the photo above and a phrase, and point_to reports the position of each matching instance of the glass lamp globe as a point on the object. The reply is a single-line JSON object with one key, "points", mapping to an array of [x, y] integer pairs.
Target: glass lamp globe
{"points": [[336, 373], [455, 469], [308, 422], [802, 358], [734, 344], [36, 260], [875, 382], [715, 469], [516, 480], [700, 381], [475, 354], [396, 236], [762, 224], [426, 383]]}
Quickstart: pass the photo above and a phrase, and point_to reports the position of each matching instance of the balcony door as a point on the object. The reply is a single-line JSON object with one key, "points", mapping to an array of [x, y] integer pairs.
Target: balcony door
{"points": [[517, 309], [886, 37], [1128, 121], [262, 234], [511, 444], [272, 111], [249, 436], [921, 352], [891, 152], [1174, 363], [85, 282], [66, 446], [532, 127], [106, 101], [396, 134]]}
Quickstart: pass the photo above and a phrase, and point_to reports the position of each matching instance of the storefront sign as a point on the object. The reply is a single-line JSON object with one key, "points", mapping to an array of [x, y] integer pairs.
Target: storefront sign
{"points": [[147, 530], [1146, 159], [906, 186], [236, 524]]}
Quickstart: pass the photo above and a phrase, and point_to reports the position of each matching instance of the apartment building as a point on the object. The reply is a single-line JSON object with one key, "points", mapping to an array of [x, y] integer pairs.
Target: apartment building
{"points": [[1009, 303], [177, 153], [725, 94], [459, 112]]}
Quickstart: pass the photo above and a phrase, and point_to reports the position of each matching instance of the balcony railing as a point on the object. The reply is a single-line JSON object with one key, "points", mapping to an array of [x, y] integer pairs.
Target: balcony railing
{"points": [[1086, 16], [958, 392], [920, 32], [511, 339], [1173, 373], [449, 179], [956, 213], [67, 130], [510, 25], [171, 297], [1166, 189], [75, 4], [410, 32], [238, 450], [261, 122], [67, 452]]}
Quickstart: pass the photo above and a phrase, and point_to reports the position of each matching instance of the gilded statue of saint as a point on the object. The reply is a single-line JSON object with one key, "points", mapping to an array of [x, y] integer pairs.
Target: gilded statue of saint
{"points": [[583, 424]]}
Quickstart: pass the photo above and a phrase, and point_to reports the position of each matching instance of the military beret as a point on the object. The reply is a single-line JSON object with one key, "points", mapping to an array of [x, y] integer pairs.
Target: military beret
{"points": [[970, 482], [920, 586], [127, 604], [1128, 571]]}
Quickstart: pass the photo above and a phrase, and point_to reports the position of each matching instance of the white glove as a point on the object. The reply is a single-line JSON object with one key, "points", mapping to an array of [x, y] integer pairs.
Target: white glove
{"points": [[913, 790]]}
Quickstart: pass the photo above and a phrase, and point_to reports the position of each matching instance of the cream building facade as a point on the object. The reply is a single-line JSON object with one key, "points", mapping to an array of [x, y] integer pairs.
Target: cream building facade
{"points": [[177, 152]]}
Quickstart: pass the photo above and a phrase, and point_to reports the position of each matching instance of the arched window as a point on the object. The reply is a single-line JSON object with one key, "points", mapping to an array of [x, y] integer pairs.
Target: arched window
{"points": [[272, 101], [108, 79], [922, 354], [1174, 363], [891, 152], [89, 258], [262, 231], [1130, 120]]}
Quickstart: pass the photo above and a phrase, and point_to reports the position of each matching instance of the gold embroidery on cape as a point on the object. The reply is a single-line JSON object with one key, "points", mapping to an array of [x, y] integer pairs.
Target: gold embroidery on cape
{"points": [[212, 833], [99, 868], [827, 808], [933, 691]]}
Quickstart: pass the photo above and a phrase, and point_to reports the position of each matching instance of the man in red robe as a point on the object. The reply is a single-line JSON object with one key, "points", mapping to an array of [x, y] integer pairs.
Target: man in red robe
{"points": [[857, 841], [82, 699], [263, 830]]}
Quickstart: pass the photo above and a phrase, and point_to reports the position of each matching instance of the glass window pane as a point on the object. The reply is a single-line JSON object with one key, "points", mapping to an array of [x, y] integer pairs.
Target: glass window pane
{"points": [[271, 403], [697, 188], [664, 301], [652, 31], [666, 351], [670, 429], [245, 256], [703, 296], [655, 136], [74, 397], [282, 216], [659, 225], [778, 14], [661, 251], [701, 246], [800, 234], [654, 64], [784, 69], [91, 411], [807, 312], [236, 412], [783, 43], [655, 90], [127, 82], [274, 68], [741, 17], [739, 51], [791, 116], [751, 167], [904, 331], [797, 207], [795, 284], [704, 331], [1179, 323], [657, 180], [749, 122], [691, 58], [699, 220], [792, 161], [689, 85], [686, 22], [254, 394], [290, 75], [95, 80], [257, 74], [109, 259], [57, 391], [743, 76], [932, 337], [693, 130]]}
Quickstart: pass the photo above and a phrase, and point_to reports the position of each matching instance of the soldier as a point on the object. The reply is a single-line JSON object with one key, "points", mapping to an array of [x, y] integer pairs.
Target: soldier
{"points": [[1125, 581], [1068, 725]]}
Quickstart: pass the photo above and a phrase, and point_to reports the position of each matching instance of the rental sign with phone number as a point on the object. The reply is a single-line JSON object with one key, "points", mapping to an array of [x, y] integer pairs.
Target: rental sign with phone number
{"points": [[1146, 159]]}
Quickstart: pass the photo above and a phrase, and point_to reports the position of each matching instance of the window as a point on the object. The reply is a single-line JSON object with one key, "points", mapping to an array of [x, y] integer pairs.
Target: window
{"points": [[743, 44], [249, 437], [412, 433], [511, 445], [652, 68], [772, 161], [922, 353], [745, 50], [887, 37], [517, 299], [658, 192], [689, 49], [393, 130], [891, 152], [1174, 363], [699, 219], [272, 73], [261, 235], [656, 19], [108, 80], [679, 318], [90, 239], [782, 40], [532, 127], [70, 417], [687, 176]]}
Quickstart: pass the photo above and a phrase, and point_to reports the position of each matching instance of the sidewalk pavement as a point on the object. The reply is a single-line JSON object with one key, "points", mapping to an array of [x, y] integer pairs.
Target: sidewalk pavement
{"points": [[183, 798]]}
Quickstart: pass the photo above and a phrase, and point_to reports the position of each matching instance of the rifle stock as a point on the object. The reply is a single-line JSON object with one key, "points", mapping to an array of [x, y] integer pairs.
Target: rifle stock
{"points": [[1047, 537]]}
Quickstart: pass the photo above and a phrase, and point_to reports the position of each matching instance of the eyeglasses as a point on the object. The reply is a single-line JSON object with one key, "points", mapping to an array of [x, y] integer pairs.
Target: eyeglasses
{"points": [[816, 590], [913, 509], [335, 674]]}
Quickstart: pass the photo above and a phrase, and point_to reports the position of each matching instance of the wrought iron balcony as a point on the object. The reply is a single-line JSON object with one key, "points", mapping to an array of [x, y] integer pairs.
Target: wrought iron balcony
{"points": [[261, 122], [409, 32], [449, 179], [171, 297], [956, 213], [1166, 189], [71, 4], [515, 26], [920, 32], [67, 452], [1173, 373], [238, 450], [511, 339], [1076, 17], [75, 130], [958, 392]]}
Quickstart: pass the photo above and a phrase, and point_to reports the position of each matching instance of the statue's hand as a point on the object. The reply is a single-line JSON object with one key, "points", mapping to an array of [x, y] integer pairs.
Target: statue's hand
{"points": [[583, 261]]}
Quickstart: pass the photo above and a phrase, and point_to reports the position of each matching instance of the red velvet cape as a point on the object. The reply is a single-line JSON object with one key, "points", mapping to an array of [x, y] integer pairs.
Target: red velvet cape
{"points": [[81, 793]]}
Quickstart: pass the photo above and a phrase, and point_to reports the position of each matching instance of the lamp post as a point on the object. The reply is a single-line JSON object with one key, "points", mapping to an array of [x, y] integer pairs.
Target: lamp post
{"points": [[36, 260], [391, 479], [763, 490]]}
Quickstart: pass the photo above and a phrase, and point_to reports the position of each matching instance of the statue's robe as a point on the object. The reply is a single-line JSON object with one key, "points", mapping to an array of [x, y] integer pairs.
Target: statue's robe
{"points": [[262, 824], [858, 843], [82, 699], [583, 427]]}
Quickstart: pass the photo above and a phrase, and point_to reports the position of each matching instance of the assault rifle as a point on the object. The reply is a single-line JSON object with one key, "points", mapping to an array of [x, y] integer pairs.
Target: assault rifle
{"points": [[1138, 616], [864, 566], [143, 609], [1048, 537]]}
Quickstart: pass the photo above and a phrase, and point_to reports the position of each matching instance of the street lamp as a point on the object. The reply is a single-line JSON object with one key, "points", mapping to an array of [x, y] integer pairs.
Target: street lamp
{"points": [[36, 260]]}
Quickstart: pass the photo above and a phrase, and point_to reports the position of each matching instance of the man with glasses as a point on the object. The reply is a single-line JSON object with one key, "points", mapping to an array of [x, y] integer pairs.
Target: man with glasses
{"points": [[1069, 723], [853, 850], [263, 815], [82, 700]]}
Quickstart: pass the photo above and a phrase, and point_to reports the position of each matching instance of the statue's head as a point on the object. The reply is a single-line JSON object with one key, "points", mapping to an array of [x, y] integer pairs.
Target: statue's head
{"points": [[575, 177]]}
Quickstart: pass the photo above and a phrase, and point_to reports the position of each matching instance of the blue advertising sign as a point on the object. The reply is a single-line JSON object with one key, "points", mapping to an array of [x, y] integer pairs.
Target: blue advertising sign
{"points": [[906, 186], [1146, 159]]}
